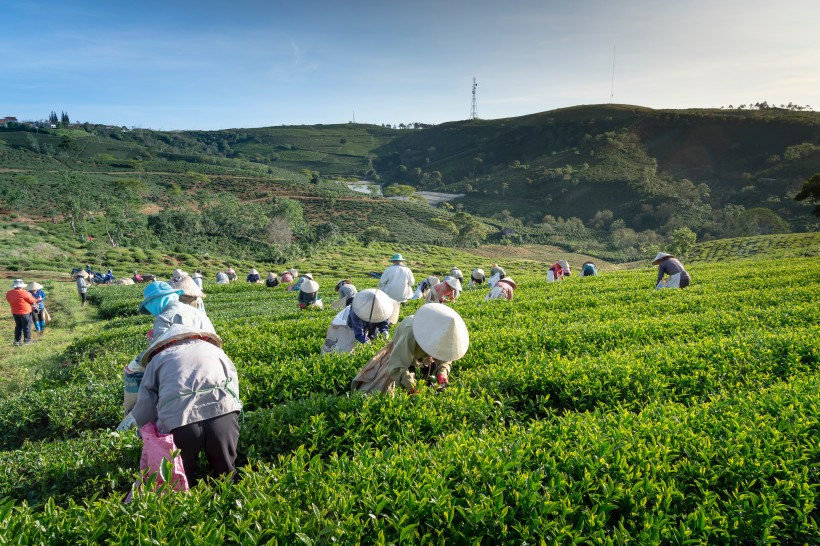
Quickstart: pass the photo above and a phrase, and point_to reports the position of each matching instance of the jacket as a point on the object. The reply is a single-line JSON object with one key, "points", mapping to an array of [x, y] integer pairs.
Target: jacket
{"points": [[20, 301], [366, 330], [187, 382], [82, 286], [177, 312], [42, 296], [406, 353], [440, 293], [397, 282]]}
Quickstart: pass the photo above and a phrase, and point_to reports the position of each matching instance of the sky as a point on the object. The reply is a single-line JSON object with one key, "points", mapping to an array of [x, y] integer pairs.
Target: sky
{"points": [[180, 64]]}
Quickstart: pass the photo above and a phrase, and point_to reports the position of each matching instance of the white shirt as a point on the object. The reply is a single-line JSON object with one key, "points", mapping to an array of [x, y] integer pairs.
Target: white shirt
{"points": [[397, 282]]}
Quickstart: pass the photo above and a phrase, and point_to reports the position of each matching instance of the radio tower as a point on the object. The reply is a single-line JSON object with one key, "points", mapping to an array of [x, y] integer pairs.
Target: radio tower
{"points": [[473, 109]]}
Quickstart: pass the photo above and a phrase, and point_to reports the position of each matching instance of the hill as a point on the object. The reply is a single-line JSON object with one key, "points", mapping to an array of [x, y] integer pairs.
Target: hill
{"points": [[642, 415]]}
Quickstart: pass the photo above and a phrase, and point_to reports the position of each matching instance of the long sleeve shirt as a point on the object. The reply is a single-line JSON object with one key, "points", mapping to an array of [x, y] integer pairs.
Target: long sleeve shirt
{"points": [[20, 301], [366, 330], [670, 266], [406, 353], [82, 286], [307, 298], [440, 293], [397, 282], [40, 296]]}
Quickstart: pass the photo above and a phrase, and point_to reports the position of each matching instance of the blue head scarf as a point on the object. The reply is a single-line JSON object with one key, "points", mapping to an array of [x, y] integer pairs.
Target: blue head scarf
{"points": [[156, 305]]}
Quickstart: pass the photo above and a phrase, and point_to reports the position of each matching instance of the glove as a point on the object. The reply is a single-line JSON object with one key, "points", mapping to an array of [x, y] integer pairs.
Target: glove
{"points": [[385, 334], [442, 383]]}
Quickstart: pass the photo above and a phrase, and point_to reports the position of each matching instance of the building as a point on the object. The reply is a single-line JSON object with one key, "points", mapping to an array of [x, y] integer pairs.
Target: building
{"points": [[4, 122]]}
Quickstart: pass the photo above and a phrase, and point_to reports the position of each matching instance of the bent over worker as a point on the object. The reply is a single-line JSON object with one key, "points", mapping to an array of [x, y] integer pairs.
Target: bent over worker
{"points": [[669, 265], [428, 341]]}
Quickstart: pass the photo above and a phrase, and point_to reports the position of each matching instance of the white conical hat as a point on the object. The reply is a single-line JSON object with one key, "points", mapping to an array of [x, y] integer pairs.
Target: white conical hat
{"points": [[661, 256], [309, 286], [34, 286], [253, 272], [188, 287], [440, 332], [509, 281], [197, 275], [477, 273], [454, 283], [179, 274], [456, 272], [373, 305]]}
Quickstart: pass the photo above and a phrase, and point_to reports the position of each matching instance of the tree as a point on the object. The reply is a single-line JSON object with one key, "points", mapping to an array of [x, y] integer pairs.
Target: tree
{"points": [[374, 233], [470, 230], [64, 119], [811, 192], [398, 190], [682, 241]]}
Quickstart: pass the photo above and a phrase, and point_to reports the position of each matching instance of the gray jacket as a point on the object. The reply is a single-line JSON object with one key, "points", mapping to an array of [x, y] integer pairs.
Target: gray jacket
{"points": [[177, 312], [190, 381], [82, 286]]}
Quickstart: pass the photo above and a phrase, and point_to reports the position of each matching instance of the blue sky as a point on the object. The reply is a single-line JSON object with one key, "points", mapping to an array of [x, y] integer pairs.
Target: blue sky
{"points": [[179, 64]]}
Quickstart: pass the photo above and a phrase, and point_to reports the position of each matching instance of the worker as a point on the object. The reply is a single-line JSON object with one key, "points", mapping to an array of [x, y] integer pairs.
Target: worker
{"points": [[503, 289], [496, 273], [588, 270], [297, 283], [38, 310], [445, 291], [197, 276], [21, 303], [423, 289], [222, 278], [397, 280], [272, 280], [309, 295], [669, 265], [368, 317], [346, 291], [555, 273], [253, 276], [192, 294], [231, 274], [476, 277], [286, 277], [457, 274], [137, 278], [428, 342], [190, 389], [82, 286], [178, 275]]}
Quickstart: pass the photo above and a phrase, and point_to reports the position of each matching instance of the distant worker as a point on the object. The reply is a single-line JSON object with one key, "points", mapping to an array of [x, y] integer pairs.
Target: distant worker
{"points": [[368, 317], [82, 286], [588, 270], [38, 310], [222, 278], [397, 280], [346, 291], [137, 278], [272, 280], [503, 289], [197, 276], [476, 277], [309, 295], [427, 342], [253, 276], [21, 303], [555, 272], [496, 273], [669, 265], [445, 291], [286, 277], [423, 289], [297, 283], [231, 274], [192, 294], [457, 274]]}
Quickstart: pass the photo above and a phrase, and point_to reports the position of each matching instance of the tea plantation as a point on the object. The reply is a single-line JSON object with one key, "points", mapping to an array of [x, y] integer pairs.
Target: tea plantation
{"points": [[596, 410]]}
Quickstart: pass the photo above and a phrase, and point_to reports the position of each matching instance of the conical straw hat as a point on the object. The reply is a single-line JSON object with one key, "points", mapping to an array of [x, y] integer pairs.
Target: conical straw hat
{"points": [[509, 281], [477, 273], [373, 305], [179, 274], [440, 332], [309, 286], [253, 272], [660, 256], [188, 287], [34, 286], [454, 283]]}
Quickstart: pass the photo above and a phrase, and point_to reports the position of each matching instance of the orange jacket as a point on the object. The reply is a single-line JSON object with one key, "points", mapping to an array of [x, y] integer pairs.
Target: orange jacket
{"points": [[20, 301]]}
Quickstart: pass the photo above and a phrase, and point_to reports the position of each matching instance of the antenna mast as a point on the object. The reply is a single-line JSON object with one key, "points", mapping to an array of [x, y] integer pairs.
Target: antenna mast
{"points": [[612, 90], [354, 117], [473, 109]]}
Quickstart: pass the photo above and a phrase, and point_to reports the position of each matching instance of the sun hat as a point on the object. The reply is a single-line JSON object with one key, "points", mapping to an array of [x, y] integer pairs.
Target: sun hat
{"points": [[18, 283], [456, 272], [661, 256], [564, 264], [477, 273], [253, 272], [397, 258], [509, 281], [197, 275], [308, 276], [154, 290], [33, 286], [341, 283], [454, 283], [189, 288], [373, 305], [440, 332], [179, 274], [82, 273], [309, 286]]}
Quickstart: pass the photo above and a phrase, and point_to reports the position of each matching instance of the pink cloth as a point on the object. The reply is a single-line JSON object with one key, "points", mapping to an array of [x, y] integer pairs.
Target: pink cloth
{"points": [[155, 448]]}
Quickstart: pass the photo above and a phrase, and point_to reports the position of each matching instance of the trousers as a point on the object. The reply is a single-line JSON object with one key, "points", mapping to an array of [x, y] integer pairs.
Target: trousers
{"points": [[217, 436], [22, 327]]}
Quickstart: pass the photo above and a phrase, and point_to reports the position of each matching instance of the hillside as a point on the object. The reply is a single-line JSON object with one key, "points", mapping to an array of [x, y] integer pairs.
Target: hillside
{"points": [[642, 415]]}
